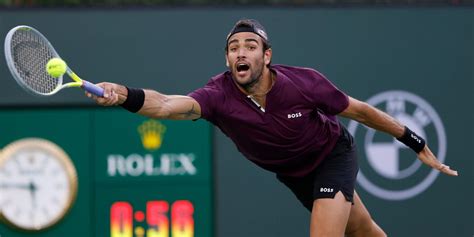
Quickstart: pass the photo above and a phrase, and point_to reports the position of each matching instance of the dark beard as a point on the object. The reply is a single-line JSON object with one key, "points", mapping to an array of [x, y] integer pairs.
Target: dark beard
{"points": [[254, 78]]}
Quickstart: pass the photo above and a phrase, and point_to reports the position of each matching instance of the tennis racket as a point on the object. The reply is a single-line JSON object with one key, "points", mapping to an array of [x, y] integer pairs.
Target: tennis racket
{"points": [[27, 52]]}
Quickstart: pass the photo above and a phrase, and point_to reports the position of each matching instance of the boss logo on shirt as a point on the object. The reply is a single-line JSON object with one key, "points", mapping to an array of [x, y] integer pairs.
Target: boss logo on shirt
{"points": [[295, 115]]}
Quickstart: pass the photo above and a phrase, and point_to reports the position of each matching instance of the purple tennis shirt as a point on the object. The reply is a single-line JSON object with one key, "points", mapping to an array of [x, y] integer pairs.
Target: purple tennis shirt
{"points": [[296, 131]]}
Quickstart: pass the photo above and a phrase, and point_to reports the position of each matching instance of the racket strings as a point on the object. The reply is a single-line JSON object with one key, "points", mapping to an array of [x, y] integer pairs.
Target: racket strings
{"points": [[31, 54]]}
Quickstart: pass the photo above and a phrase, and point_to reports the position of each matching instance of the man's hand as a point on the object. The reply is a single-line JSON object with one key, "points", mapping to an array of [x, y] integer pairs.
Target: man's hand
{"points": [[427, 157], [114, 94]]}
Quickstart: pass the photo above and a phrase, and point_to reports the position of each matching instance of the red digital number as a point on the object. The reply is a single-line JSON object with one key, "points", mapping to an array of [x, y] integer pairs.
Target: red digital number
{"points": [[182, 219], [157, 218], [121, 220]]}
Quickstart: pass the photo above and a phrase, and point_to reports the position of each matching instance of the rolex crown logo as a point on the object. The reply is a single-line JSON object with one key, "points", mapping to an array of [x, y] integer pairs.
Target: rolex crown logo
{"points": [[151, 133]]}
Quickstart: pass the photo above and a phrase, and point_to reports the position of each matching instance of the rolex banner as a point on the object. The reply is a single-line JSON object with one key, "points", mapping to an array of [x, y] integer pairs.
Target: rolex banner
{"points": [[135, 176]]}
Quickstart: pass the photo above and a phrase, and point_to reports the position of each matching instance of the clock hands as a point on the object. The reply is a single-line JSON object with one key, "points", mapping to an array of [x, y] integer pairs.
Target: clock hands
{"points": [[14, 186], [30, 187], [33, 188]]}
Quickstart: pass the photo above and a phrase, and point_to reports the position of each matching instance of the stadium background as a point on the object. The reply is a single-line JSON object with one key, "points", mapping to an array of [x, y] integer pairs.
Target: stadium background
{"points": [[426, 51]]}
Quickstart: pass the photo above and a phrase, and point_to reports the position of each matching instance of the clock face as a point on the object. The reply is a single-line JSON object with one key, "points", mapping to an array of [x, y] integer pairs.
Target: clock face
{"points": [[38, 184]]}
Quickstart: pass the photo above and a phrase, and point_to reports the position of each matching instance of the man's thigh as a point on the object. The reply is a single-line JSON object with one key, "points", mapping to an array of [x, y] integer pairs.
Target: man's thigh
{"points": [[360, 222], [329, 216]]}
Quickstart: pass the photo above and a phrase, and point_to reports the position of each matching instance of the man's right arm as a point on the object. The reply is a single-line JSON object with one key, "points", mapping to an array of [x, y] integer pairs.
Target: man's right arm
{"points": [[156, 105], [178, 107]]}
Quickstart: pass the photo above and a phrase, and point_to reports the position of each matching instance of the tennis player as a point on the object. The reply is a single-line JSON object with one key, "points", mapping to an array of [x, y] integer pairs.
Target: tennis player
{"points": [[283, 119]]}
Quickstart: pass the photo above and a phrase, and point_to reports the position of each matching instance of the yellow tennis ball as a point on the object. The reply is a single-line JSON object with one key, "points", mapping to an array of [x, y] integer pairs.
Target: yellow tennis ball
{"points": [[56, 67]]}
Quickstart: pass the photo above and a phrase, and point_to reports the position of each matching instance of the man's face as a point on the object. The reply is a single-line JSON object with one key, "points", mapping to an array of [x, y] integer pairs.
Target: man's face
{"points": [[246, 58]]}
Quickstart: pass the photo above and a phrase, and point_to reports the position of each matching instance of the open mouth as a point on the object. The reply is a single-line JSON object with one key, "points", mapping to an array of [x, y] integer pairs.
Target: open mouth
{"points": [[241, 67]]}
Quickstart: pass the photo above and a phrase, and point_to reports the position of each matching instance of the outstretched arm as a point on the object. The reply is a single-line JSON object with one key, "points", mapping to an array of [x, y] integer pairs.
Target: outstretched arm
{"points": [[379, 120], [155, 105], [162, 106]]}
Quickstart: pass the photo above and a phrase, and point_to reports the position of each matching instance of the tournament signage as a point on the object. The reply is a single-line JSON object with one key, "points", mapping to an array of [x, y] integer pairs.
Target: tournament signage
{"points": [[133, 148], [391, 170], [136, 177], [152, 133], [153, 176]]}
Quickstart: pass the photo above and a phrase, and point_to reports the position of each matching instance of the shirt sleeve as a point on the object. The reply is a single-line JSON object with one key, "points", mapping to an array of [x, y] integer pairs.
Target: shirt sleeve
{"points": [[206, 97], [327, 96]]}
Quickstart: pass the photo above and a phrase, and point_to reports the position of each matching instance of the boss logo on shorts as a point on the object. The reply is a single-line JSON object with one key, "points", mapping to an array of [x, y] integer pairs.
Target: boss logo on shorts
{"points": [[326, 190], [295, 115], [388, 169]]}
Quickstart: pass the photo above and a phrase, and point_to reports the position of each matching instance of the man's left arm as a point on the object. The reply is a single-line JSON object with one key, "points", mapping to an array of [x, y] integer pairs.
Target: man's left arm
{"points": [[379, 120]]}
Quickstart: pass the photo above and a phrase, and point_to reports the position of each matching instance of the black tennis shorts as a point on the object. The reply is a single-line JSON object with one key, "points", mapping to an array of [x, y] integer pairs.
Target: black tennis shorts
{"points": [[337, 172]]}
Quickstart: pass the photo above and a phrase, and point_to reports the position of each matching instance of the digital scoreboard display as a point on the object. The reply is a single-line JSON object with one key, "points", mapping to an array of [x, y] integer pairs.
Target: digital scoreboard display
{"points": [[158, 219]]}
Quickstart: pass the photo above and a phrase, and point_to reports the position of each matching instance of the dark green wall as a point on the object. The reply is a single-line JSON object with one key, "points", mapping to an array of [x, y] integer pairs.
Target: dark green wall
{"points": [[425, 51]]}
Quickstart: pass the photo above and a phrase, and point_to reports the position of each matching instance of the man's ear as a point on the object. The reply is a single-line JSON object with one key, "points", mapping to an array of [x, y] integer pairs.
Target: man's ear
{"points": [[226, 61], [267, 56]]}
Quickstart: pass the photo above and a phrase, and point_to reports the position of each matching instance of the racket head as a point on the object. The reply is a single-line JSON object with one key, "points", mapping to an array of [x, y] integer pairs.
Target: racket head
{"points": [[27, 52]]}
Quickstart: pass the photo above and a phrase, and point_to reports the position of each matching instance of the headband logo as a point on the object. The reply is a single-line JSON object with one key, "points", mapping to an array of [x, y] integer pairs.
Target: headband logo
{"points": [[262, 33]]}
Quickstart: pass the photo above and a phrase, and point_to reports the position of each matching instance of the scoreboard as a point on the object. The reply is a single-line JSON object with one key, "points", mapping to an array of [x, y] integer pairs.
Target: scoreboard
{"points": [[136, 176]]}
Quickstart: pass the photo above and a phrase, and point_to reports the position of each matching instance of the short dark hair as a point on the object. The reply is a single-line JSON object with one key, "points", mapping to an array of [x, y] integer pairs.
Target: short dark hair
{"points": [[249, 25]]}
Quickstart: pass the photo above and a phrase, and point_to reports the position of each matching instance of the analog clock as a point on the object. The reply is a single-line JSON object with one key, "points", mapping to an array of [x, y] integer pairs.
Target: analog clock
{"points": [[38, 184]]}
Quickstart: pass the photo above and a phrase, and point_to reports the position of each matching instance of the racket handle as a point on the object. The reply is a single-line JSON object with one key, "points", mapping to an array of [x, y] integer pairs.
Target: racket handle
{"points": [[89, 87]]}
